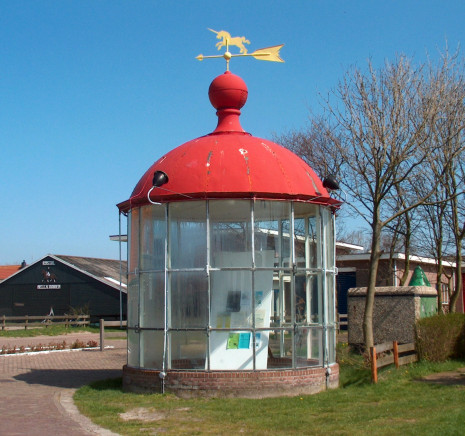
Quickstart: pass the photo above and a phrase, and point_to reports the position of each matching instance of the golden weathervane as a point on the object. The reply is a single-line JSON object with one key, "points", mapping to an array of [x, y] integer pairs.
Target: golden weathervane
{"points": [[226, 40]]}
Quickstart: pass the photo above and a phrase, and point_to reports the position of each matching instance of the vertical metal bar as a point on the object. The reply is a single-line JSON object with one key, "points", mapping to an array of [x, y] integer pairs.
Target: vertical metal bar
{"points": [[282, 297], [138, 275], [207, 269], [120, 276], [308, 290], [165, 298], [324, 245], [252, 220], [293, 277], [333, 281]]}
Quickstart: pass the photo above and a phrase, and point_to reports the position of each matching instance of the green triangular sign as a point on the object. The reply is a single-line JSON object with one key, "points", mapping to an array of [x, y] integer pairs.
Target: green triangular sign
{"points": [[419, 278]]}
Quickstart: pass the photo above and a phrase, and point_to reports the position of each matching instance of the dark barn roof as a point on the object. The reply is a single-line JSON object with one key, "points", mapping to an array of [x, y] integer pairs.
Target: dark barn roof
{"points": [[105, 270]]}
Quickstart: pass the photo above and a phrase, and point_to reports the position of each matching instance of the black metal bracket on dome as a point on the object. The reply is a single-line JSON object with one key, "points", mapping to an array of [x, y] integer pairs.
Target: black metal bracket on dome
{"points": [[270, 54], [330, 182], [160, 178]]}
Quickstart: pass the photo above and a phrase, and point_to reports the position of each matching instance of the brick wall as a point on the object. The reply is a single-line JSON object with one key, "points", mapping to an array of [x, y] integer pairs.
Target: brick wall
{"points": [[245, 384]]}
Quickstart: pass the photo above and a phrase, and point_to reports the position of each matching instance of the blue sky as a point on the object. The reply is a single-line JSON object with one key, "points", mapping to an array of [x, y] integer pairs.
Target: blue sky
{"points": [[92, 92]]}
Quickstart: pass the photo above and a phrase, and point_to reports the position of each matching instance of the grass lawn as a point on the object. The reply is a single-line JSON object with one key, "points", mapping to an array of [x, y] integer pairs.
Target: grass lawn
{"points": [[51, 330], [397, 405], [58, 330]]}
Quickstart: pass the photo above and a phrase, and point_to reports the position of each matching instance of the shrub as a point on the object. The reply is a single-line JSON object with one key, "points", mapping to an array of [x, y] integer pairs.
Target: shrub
{"points": [[78, 344], [441, 337]]}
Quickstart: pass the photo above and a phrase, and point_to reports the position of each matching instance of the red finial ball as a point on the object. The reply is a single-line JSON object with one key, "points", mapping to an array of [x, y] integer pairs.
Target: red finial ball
{"points": [[228, 91]]}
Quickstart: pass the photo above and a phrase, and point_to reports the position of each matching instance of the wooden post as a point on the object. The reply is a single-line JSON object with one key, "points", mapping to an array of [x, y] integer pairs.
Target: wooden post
{"points": [[25, 324], [396, 353], [3, 323], [374, 369], [102, 334]]}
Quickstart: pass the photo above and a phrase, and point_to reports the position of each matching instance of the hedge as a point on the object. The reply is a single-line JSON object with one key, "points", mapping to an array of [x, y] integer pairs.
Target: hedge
{"points": [[441, 337]]}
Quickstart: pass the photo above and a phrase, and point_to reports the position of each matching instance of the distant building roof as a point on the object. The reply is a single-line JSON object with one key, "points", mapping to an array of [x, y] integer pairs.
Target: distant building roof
{"points": [[8, 270], [106, 270], [397, 256]]}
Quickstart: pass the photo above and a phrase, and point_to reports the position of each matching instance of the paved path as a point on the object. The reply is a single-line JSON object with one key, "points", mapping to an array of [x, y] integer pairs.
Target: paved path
{"points": [[36, 389]]}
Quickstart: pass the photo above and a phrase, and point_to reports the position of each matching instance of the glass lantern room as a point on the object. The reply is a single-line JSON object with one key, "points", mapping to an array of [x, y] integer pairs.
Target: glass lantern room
{"points": [[231, 261]]}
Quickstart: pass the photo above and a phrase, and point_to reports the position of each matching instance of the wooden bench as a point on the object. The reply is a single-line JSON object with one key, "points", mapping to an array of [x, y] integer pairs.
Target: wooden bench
{"points": [[392, 353]]}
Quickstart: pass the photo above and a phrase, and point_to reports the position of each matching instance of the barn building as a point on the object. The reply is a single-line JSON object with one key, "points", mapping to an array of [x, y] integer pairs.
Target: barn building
{"points": [[60, 284]]}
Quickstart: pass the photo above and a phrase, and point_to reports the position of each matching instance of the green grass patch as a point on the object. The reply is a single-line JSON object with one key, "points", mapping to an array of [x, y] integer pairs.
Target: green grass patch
{"points": [[50, 330], [398, 404]]}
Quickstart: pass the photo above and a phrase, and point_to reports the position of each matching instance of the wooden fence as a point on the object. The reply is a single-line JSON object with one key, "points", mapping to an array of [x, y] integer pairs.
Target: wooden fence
{"points": [[342, 321], [391, 352], [104, 324], [36, 321]]}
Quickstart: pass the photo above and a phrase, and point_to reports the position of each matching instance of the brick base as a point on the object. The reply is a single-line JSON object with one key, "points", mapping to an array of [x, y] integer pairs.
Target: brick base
{"points": [[245, 384]]}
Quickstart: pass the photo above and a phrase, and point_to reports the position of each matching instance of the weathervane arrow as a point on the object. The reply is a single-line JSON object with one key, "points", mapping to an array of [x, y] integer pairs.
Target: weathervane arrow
{"points": [[270, 54]]}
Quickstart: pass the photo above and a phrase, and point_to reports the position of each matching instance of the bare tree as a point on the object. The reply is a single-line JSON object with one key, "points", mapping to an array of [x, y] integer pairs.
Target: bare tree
{"points": [[445, 212], [376, 136], [434, 235], [457, 223]]}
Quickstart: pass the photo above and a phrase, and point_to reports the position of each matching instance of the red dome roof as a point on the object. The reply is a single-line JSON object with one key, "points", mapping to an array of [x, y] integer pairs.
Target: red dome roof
{"points": [[230, 163]]}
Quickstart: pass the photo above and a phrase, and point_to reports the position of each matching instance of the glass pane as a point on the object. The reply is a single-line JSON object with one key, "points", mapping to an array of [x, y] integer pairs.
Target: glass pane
{"points": [[282, 304], [277, 308], [286, 249], [133, 300], [133, 240], [302, 210], [332, 345], [313, 242], [308, 303], [302, 296], [327, 221], [133, 348], [308, 347], [151, 349], [187, 350], [188, 234], [231, 233], [264, 295], [271, 227], [280, 349], [188, 299], [315, 297], [299, 242], [232, 350], [153, 234], [152, 300], [231, 299], [330, 297]]}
